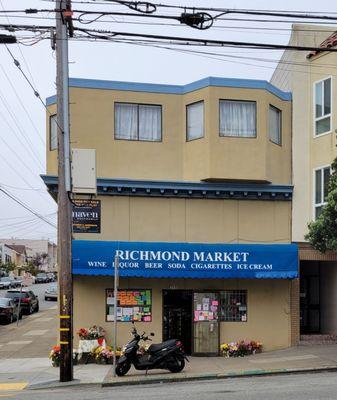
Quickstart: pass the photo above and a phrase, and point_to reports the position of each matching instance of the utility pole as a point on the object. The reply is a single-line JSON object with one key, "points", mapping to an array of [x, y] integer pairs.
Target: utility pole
{"points": [[63, 19]]}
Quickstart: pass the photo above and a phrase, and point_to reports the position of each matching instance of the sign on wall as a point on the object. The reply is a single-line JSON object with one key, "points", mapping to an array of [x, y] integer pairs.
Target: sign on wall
{"points": [[186, 260], [86, 216]]}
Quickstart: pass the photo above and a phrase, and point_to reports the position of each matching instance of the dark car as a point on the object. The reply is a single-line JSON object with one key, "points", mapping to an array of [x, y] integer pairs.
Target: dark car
{"points": [[8, 310], [41, 278], [29, 302]]}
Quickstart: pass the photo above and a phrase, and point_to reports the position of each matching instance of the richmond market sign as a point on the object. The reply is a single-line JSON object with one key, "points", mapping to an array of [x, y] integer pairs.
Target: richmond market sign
{"points": [[186, 260]]}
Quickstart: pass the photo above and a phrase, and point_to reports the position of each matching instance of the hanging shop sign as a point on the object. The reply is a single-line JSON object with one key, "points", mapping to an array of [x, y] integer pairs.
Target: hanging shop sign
{"points": [[86, 216], [185, 260]]}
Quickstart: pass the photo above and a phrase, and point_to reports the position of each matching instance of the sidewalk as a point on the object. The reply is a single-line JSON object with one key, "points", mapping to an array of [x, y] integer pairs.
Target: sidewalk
{"points": [[314, 358]]}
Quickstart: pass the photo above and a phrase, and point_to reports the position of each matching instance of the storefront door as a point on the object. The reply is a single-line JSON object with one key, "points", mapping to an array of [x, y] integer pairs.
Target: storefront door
{"points": [[177, 317], [205, 323]]}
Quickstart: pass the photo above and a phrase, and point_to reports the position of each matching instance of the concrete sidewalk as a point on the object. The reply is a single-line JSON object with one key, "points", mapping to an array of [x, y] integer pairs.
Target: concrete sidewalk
{"points": [[313, 358]]}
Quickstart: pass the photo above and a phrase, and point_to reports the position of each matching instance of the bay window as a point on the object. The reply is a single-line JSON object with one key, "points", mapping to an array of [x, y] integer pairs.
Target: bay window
{"points": [[238, 118], [195, 120]]}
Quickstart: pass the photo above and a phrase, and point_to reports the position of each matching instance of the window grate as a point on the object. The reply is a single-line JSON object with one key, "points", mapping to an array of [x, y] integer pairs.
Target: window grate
{"points": [[233, 305]]}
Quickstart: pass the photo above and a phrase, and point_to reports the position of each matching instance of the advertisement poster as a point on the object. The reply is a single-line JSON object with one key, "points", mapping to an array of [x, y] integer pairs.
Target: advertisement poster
{"points": [[86, 216]]}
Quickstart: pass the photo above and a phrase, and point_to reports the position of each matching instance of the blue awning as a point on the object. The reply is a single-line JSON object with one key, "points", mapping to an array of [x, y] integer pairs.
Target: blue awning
{"points": [[186, 260]]}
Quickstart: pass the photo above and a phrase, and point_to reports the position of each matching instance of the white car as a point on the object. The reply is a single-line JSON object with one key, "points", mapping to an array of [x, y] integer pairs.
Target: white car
{"points": [[51, 292], [5, 283]]}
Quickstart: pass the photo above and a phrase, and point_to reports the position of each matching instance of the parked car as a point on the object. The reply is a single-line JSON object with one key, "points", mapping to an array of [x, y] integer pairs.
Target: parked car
{"points": [[5, 282], [16, 281], [51, 277], [41, 278], [51, 292], [29, 300], [8, 310]]}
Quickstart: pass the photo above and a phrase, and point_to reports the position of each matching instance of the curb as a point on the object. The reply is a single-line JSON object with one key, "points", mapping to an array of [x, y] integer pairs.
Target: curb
{"points": [[228, 375], [149, 380]]}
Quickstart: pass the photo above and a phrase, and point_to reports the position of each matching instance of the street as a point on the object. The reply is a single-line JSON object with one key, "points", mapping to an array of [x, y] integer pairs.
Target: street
{"points": [[287, 387]]}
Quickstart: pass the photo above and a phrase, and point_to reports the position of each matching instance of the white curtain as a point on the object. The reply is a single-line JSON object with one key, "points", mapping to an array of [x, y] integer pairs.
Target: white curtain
{"points": [[237, 118], [195, 121], [126, 121], [149, 123], [53, 132], [275, 125]]}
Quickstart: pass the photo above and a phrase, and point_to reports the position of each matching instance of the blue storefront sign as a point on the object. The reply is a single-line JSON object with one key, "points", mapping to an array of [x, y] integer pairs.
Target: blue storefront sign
{"points": [[186, 260]]}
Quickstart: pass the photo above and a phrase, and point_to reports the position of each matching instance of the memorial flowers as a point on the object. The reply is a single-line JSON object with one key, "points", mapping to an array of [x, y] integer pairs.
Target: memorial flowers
{"points": [[104, 355], [92, 333], [55, 355], [241, 348]]}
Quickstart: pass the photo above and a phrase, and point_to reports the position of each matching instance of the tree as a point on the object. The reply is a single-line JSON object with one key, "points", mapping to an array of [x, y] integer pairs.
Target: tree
{"points": [[322, 233], [8, 266]]}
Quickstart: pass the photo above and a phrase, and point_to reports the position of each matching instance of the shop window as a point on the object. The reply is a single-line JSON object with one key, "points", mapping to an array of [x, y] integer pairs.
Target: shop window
{"points": [[238, 118], [275, 117], [132, 305], [53, 132], [138, 122], [321, 185], [195, 121], [233, 305], [322, 112]]}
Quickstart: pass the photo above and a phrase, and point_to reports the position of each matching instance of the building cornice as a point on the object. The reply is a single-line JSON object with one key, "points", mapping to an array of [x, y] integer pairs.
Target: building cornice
{"points": [[210, 81], [193, 190]]}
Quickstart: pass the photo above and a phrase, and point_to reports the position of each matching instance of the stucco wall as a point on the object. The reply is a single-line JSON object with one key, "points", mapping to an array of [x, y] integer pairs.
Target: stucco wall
{"points": [[268, 308]]}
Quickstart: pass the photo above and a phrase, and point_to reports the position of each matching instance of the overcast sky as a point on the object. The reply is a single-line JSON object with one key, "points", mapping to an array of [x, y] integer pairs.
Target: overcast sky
{"points": [[22, 117]]}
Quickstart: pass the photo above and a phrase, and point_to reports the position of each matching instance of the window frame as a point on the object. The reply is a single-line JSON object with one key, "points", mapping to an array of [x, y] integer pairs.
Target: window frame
{"points": [[139, 104], [314, 107], [323, 203], [221, 304], [271, 106], [241, 101], [203, 120], [50, 132]]}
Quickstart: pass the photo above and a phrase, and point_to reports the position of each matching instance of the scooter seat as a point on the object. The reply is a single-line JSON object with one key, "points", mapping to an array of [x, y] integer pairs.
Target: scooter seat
{"points": [[156, 347]]}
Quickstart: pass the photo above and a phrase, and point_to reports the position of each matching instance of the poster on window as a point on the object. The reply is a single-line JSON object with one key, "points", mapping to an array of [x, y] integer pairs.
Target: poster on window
{"points": [[86, 216], [132, 305]]}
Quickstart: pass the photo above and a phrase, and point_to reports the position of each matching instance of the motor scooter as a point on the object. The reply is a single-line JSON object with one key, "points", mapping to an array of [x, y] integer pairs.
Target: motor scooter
{"points": [[168, 355]]}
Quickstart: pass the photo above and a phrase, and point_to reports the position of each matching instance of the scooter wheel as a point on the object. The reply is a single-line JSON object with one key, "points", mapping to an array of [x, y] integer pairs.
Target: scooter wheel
{"points": [[123, 368], [177, 365]]}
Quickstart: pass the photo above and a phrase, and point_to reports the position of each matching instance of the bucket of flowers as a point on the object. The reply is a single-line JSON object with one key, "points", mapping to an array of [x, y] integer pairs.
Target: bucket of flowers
{"points": [[55, 356], [104, 355], [241, 348], [90, 338]]}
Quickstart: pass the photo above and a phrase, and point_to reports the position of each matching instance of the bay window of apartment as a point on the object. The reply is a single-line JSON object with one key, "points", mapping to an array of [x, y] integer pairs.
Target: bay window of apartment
{"points": [[238, 118], [322, 111], [195, 121], [141, 122], [53, 132], [321, 186], [275, 118]]}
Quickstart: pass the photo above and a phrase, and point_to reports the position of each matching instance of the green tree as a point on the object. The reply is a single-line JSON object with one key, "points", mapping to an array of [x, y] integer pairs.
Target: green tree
{"points": [[322, 233], [8, 266]]}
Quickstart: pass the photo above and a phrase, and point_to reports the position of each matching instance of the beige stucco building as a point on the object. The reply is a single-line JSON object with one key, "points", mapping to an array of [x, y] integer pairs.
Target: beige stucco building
{"points": [[312, 80], [191, 170]]}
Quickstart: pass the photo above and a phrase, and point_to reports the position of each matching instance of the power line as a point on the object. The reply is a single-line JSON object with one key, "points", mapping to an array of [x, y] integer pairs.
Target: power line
{"points": [[22, 204]]}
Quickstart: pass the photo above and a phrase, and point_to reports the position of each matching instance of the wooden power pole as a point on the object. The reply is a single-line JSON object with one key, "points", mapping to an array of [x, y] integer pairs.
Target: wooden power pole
{"points": [[63, 19]]}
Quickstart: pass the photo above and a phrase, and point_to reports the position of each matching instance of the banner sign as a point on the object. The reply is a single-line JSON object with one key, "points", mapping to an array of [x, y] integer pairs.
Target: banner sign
{"points": [[185, 260], [86, 216]]}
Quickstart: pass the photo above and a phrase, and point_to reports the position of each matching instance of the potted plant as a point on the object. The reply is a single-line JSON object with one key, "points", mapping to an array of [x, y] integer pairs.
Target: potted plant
{"points": [[55, 356]]}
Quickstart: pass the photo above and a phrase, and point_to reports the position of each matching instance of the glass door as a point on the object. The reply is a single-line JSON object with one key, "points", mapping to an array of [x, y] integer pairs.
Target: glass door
{"points": [[205, 323]]}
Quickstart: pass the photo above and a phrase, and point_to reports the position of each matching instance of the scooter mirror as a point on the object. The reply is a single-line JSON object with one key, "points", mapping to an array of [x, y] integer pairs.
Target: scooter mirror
{"points": [[151, 334]]}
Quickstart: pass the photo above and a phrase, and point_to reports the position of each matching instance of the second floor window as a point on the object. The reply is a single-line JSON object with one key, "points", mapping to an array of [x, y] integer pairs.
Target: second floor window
{"points": [[138, 122], [237, 118], [53, 132], [275, 125], [322, 107], [321, 185], [195, 120]]}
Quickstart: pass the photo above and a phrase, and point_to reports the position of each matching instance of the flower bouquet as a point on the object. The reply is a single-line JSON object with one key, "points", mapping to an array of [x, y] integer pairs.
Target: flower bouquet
{"points": [[104, 355], [55, 356], [241, 348]]}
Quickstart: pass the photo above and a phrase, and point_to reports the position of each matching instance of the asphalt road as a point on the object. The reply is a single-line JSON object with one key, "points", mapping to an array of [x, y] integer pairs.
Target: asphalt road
{"points": [[285, 387]]}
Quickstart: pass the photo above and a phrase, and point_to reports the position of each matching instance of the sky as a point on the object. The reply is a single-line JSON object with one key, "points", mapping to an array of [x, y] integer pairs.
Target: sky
{"points": [[23, 117]]}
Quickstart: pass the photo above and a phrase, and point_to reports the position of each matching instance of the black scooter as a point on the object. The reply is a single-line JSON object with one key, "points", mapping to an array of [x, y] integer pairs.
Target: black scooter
{"points": [[168, 355]]}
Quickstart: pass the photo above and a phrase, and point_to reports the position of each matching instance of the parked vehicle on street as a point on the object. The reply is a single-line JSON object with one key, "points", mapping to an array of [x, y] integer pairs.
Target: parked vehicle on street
{"points": [[5, 282], [51, 277], [8, 310], [29, 302], [42, 278], [51, 292], [16, 281], [168, 355]]}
